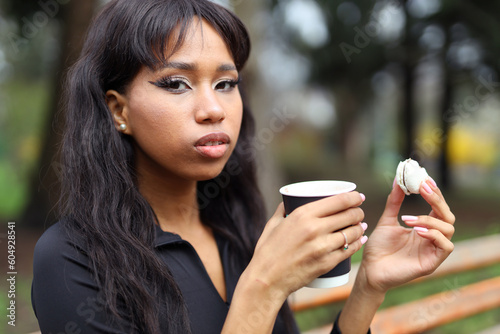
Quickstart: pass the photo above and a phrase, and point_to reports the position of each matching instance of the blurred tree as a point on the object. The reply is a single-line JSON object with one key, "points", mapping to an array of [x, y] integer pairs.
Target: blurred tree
{"points": [[259, 98], [366, 36], [347, 61], [465, 23], [32, 16]]}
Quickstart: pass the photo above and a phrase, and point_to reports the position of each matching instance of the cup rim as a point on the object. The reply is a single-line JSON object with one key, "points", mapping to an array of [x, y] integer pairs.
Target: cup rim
{"points": [[300, 189]]}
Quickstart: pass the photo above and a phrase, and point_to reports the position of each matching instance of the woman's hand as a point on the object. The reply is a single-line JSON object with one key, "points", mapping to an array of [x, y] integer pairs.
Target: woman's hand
{"points": [[395, 254], [290, 253], [293, 251]]}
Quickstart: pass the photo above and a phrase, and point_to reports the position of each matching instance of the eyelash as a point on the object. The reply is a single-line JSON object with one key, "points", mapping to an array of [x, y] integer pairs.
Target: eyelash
{"points": [[232, 83], [168, 82]]}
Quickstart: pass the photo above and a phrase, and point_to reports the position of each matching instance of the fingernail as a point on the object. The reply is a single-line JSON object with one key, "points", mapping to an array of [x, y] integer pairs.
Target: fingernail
{"points": [[364, 226], [363, 197], [427, 188], [420, 229], [433, 182], [394, 183], [409, 218], [364, 239]]}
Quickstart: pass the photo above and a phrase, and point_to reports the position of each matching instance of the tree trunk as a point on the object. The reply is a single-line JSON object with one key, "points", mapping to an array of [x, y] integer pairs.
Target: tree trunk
{"points": [[446, 105], [347, 108], [408, 112], [44, 187], [408, 104], [261, 102]]}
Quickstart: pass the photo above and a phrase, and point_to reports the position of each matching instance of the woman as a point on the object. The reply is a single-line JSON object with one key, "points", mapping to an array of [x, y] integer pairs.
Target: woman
{"points": [[162, 224]]}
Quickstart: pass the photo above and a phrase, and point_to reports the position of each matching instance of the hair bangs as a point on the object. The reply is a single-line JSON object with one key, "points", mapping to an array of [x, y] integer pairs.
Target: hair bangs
{"points": [[160, 29]]}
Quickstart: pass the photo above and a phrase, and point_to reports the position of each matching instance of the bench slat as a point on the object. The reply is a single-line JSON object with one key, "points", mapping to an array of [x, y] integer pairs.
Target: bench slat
{"points": [[439, 309], [435, 310], [468, 255]]}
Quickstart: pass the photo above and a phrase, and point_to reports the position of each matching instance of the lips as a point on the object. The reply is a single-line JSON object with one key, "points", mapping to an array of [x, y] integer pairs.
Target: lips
{"points": [[213, 145]]}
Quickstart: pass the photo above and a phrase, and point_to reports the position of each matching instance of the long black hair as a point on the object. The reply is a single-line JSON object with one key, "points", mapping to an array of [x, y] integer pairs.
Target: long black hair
{"points": [[100, 199]]}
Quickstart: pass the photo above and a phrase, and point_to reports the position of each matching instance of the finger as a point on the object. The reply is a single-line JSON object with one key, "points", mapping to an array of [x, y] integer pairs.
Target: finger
{"points": [[343, 243], [331, 205], [392, 206], [347, 236], [341, 220], [275, 220], [434, 186], [439, 240], [277, 217], [430, 223], [434, 197], [327, 243], [340, 254], [280, 210]]}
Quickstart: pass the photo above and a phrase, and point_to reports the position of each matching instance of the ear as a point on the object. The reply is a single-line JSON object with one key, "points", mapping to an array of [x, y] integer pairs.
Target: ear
{"points": [[118, 106]]}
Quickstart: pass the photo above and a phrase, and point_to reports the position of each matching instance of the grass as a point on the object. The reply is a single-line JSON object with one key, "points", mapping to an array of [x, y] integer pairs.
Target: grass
{"points": [[23, 115], [477, 215], [20, 134], [324, 315]]}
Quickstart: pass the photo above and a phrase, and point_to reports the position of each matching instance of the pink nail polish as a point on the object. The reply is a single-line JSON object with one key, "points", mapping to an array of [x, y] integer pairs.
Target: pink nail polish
{"points": [[420, 229], [364, 239], [427, 188], [409, 218], [364, 226], [363, 197], [433, 182], [394, 183]]}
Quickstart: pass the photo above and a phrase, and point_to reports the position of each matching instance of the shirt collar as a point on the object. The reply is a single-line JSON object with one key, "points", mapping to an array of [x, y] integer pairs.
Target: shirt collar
{"points": [[165, 238]]}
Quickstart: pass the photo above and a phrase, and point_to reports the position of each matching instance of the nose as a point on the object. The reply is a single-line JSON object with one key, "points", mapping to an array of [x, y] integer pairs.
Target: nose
{"points": [[209, 108]]}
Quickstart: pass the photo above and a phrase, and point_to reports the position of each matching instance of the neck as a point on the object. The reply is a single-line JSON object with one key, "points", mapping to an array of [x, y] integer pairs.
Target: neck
{"points": [[174, 200]]}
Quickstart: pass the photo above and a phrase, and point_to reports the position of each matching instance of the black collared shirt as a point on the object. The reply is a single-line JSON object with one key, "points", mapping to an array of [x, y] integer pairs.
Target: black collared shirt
{"points": [[66, 298]]}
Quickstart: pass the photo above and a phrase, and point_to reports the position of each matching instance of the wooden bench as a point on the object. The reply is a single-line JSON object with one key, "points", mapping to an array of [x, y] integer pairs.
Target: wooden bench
{"points": [[431, 311]]}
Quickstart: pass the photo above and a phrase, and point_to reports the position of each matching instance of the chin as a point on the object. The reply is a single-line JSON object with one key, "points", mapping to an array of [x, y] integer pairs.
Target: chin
{"points": [[206, 173], [209, 176]]}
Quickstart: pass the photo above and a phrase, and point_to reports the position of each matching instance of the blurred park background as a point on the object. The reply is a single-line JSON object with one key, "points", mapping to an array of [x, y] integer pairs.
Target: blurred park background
{"points": [[341, 90]]}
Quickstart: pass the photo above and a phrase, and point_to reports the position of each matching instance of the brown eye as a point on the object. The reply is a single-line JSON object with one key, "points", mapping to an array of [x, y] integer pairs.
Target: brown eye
{"points": [[172, 85], [227, 86]]}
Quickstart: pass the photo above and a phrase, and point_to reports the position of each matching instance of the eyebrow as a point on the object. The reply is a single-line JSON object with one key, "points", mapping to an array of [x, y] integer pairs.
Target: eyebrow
{"points": [[226, 68], [192, 67]]}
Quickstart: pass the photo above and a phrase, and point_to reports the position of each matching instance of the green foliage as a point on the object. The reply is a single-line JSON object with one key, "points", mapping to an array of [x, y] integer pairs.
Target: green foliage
{"points": [[27, 8], [13, 191], [476, 217], [21, 135], [324, 315]]}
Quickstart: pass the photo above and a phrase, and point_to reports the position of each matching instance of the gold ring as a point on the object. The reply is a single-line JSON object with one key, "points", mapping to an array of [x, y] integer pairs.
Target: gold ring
{"points": [[346, 245]]}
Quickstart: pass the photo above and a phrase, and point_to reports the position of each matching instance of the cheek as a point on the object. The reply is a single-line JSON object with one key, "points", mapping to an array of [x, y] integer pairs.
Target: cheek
{"points": [[152, 113], [239, 118], [237, 114], [155, 125]]}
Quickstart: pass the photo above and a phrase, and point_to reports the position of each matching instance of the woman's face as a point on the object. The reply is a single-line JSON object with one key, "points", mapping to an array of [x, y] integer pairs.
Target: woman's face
{"points": [[184, 118]]}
